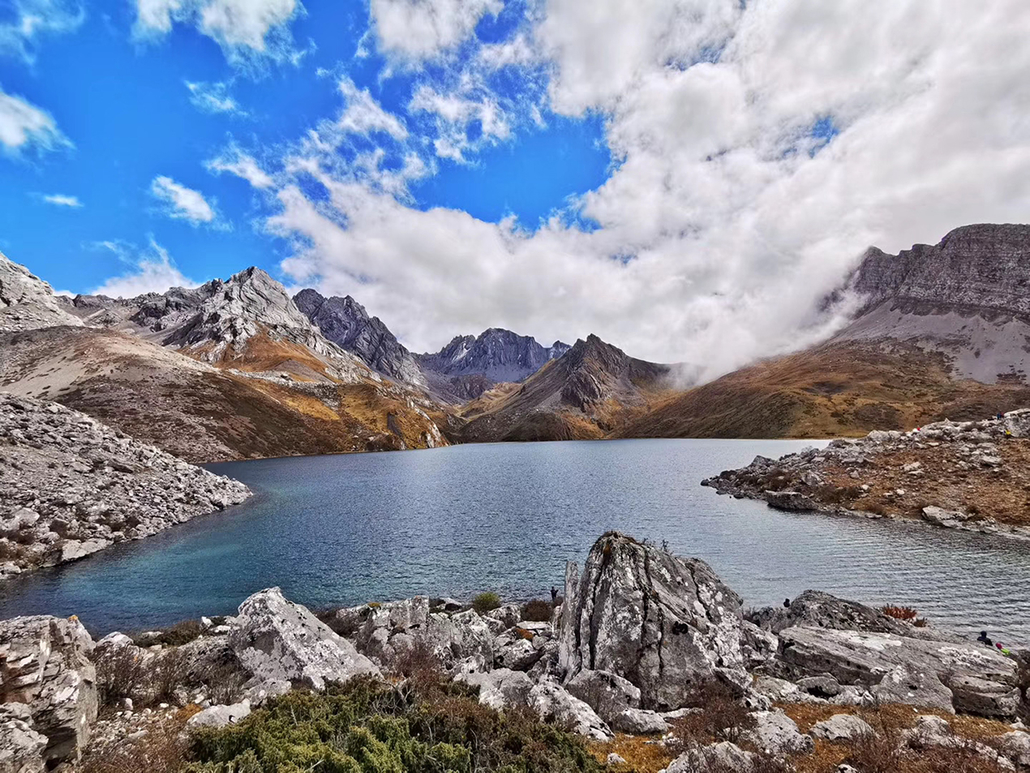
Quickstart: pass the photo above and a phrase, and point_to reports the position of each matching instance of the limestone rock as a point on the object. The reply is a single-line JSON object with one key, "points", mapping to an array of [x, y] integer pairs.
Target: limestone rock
{"points": [[460, 636], [606, 693], [639, 722], [220, 716], [45, 665], [1016, 746], [718, 756], [501, 688], [27, 302], [21, 747], [776, 733], [666, 624], [283, 645], [841, 727], [822, 610], [552, 703]]}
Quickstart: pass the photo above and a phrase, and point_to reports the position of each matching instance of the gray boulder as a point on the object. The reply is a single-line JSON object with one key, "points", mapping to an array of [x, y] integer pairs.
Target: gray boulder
{"points": [[776, 733], [459, 637], [639, 722], [815, 609], [917, 672], [841, 727], [718, 757], [220, 716], [501, 688], [668, 625], [45, 665], [21, 747], [283, 645], [552, 703], [606, 693], [1016, 746], [515, 649]]}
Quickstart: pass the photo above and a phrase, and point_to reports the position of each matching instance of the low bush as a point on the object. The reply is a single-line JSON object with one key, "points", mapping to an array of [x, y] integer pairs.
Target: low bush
{"points": [[178, 634], [120, 674], [484, 602], [901, 613], [537, 610], [367, 726], [722, 716]]}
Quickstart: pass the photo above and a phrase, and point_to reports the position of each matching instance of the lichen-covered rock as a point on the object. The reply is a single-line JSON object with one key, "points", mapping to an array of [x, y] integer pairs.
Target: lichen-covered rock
{"points": [[283, 645], [552, 703], [918, 672], [815, 609], [639, 722], [1016, 746], [45, 665], [776, 733], [501, 688], [717, 756], [666, 624], [841, 727], [459, 637], [606, 693], [21, 747], [220, 716]]}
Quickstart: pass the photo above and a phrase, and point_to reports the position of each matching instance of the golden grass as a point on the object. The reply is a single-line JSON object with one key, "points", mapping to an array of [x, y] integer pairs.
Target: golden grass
{"points": [[641, 753]]}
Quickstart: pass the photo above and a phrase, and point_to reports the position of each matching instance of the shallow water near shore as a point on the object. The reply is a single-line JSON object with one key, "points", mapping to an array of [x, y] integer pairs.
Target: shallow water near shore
{"points": [[341, 530]]}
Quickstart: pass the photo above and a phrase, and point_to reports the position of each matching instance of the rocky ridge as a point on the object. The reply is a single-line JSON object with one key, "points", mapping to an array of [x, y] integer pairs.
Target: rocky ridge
{"points": [[642, 641], [73, 486], [27, 302], [345, 322], [960, 475]]}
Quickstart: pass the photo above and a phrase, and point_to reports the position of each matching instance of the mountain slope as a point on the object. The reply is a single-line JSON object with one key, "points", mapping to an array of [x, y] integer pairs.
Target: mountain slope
{"points": [[345, 322], [469, 365], [585, 393], [26, 301], [942, 332]]}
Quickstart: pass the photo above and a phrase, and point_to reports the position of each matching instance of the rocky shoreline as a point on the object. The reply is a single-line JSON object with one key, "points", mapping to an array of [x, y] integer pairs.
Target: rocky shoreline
{"points": [[643, 646], [970, 476], [73, 486]]}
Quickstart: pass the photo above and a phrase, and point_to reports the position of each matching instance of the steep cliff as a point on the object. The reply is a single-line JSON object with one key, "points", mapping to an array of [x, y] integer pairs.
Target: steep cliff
{"points": [[27, 302]]}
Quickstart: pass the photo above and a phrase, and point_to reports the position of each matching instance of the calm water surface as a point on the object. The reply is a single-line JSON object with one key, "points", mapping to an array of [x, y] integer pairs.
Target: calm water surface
{"points": [[506, 517]]}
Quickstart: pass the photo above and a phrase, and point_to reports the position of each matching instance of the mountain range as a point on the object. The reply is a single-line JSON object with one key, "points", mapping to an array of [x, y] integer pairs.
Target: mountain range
{"points": [[240, 369]]}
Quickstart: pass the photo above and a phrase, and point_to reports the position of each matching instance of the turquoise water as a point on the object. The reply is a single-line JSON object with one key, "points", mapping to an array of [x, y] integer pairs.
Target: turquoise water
{"points": [[456, 521]]}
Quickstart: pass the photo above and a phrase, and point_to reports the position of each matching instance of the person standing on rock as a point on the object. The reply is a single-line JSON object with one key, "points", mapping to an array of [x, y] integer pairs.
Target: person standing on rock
{"points": [[983, 638]]}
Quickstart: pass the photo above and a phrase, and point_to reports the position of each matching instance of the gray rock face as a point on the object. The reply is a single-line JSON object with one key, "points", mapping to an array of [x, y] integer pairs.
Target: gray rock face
{"points": [[607, 694], [936, 674], [21, 747], [283, 645], [665, 624], [220, 716], [822, 610], [501, 688], [496, 354], [841, 727], [720, 757], [345, 322], [776, 733], [27, 302], [73, 486], [554, 704], [45, 666]]}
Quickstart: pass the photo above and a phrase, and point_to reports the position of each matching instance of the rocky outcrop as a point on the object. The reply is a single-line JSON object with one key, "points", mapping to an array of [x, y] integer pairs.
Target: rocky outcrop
{"points": [[27, 302], [496, 354], [282, 645], [73, 487], [47, 687], [21, 747], [345, 322], [667, 625], [816, 609], [905, 474], [841, 727]]}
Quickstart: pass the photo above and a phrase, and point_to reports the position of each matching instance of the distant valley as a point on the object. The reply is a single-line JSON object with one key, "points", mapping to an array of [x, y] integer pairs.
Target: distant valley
{"points": [[239, 369]]}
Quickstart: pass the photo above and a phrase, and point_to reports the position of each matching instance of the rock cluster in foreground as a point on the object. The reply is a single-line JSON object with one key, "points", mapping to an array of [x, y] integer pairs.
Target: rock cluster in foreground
{"points": [[962, 475], [73, 486], [642, 640]]}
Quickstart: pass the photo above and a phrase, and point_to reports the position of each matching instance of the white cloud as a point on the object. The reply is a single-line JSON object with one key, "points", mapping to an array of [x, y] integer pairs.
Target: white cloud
{"points": [[416, 30], [181, 202], [455, 112], [24, 126], [62, 200], [34, 19], [235, 161], [213, 98], [759, 149], [153, 271], [364, 115], [248, 31]]}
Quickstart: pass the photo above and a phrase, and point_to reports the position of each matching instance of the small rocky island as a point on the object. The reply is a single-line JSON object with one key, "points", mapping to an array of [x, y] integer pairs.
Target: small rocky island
{"points": [[970, 475], [73, 486], [648, 663]]}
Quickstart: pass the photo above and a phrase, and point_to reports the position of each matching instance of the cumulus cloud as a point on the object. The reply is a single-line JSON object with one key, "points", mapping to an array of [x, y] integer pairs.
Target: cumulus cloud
{"points": [[23, 126], [417, 30], [62, 200], [235, 161], [455, 113], [364, 115], [759, 148], [248, 31], [181, 202], [33, 20], [213, 98], [152, 271]]}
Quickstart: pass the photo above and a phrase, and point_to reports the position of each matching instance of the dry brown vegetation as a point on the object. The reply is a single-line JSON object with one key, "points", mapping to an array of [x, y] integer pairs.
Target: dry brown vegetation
{"points": [[839, 389]]}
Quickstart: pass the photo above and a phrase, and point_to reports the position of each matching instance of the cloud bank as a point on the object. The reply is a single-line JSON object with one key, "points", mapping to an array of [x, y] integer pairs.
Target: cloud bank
{"points": [[152, 271]]}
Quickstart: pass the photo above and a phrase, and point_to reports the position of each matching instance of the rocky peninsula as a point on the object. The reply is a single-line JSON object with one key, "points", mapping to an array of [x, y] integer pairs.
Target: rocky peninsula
{"points": [[73, 486], [970, 475], [648, 662]]}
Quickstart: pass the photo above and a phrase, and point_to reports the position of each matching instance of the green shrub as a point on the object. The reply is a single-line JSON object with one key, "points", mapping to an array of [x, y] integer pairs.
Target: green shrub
{"points": [[537, 610], [368, 726], [484, 602]]}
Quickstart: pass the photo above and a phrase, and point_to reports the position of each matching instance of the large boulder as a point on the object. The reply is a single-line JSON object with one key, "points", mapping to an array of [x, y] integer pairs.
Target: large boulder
{"points": [[462, 637], [919, 672], [815, 609], [552, 703], [501, 688], [45, 665], [283, 645], [668, 625], [841, 727], [720, 757], [607, 694], [776, 733]]}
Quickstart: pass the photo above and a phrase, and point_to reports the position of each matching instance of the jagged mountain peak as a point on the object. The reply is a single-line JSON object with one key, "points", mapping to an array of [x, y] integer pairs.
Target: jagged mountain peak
{"points": [[345, 322], [497, 353]]}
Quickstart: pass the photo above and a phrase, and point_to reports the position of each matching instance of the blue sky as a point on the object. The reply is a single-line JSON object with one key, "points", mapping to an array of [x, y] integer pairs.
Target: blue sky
{"points": [[687, 179], [124, 105]]}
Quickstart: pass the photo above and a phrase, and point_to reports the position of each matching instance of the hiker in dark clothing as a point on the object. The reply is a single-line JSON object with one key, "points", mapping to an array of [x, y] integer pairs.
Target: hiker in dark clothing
{"points": [[984, 639], [786, 603], [554, 594]]}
